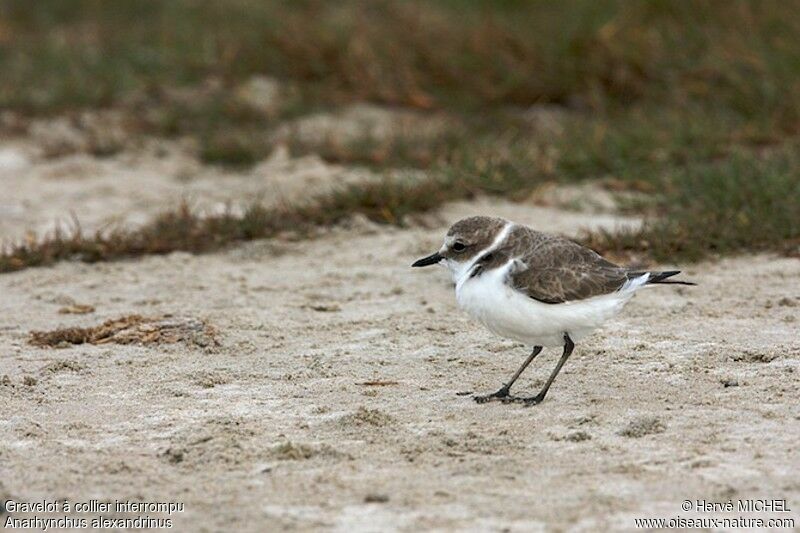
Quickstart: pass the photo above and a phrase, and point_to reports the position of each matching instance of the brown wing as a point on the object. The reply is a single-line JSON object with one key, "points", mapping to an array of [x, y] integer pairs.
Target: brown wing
{"points": [[555, 270]]}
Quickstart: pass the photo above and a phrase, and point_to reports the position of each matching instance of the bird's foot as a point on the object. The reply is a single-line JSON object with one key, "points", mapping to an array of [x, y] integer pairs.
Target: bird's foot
{"points": [[527, 402], [501, 395]]}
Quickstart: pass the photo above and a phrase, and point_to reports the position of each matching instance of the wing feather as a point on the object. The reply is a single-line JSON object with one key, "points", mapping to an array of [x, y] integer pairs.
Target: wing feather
{"points": [[554, 270]]}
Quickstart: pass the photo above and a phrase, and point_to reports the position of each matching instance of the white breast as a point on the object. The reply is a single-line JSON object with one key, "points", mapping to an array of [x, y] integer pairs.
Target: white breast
{"points": [[512, 314]]}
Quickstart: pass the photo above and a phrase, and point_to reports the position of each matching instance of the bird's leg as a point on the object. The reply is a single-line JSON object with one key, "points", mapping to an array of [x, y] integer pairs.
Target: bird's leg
{"points": [[533, 400], [505, 389]]}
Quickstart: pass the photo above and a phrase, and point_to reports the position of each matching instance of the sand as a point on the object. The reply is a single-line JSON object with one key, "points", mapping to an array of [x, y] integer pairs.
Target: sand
{"points": [[336, 392], [40, 194]]}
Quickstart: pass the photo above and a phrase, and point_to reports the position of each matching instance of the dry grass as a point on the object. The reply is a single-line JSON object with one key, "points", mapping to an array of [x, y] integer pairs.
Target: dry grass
{"points": [[697, 101], [178, 230], [754, 199], [411, 53], [132, 329], [742, 203], [389, 201], [185, 230]]}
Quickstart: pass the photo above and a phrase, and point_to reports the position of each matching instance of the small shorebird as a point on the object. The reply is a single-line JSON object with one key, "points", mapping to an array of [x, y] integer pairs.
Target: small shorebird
{"points": [[538, 289]]}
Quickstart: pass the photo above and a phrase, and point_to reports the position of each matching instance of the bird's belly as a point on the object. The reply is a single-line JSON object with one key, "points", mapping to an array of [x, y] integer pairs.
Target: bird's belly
{"points": [[512, 314]]}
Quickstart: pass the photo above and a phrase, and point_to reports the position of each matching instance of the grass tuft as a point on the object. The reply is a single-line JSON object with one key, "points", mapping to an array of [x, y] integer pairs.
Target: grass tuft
{"points": [[696, 104], [388, 202], [131, 329], [744, 203], [452, 53]]}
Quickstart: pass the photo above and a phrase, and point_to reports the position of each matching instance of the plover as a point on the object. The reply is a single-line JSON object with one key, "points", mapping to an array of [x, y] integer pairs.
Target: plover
{"points": [[538, 289]]}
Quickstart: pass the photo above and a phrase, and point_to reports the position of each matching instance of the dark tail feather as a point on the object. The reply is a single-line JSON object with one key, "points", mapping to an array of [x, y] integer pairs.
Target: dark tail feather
{"points": [[660, 277]]}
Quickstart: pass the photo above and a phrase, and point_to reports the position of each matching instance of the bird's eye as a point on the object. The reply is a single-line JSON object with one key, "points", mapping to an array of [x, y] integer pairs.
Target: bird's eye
{"points": [[459, 246]]}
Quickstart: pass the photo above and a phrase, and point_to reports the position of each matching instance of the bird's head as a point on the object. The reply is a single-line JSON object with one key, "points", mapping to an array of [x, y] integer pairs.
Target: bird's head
{"points": [[465, 240]]}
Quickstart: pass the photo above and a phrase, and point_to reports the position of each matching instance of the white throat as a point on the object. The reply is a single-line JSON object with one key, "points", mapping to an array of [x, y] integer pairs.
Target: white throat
{"points": [[461, 270]]}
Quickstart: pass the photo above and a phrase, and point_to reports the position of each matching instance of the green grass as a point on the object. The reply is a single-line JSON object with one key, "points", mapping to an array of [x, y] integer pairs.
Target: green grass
{"points": [[696, 103], [755, 199], [747, 202], [737, 55], [386, 202]]}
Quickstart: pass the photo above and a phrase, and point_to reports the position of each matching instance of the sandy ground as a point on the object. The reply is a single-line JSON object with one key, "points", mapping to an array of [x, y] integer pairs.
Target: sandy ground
{"points": [[50, 178], [41, 194], [691, 393], [337, 394]]}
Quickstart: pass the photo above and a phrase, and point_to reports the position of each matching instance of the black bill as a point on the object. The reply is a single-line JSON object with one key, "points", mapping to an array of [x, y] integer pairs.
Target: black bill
{"points": [[430, 260]]}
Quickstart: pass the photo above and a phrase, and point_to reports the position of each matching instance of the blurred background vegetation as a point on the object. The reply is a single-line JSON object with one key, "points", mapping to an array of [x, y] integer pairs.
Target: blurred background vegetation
{"points": [[696, 103]]}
